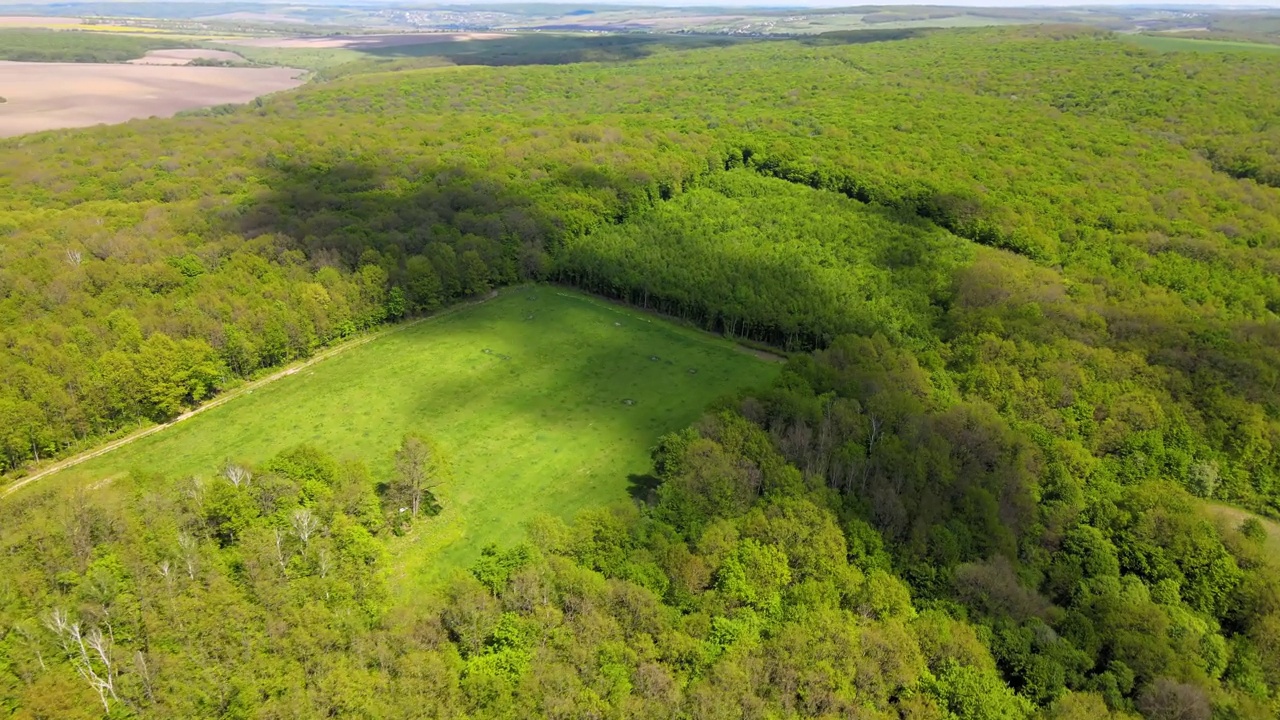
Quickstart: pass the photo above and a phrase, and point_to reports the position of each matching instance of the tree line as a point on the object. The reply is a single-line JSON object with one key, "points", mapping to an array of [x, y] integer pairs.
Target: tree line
{"points": [[1042, 304], [30, 45], [846, 542]]}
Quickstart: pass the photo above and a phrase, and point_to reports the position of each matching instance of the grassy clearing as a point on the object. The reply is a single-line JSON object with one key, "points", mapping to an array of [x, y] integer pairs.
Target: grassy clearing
{"points": [[537, 424], [121, 29], [303, 58], [1178, 44], [1233, 516]]}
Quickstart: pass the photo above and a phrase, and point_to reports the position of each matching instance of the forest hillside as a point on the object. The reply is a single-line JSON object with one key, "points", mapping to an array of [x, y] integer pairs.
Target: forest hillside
{"points": [[1029, 283]]}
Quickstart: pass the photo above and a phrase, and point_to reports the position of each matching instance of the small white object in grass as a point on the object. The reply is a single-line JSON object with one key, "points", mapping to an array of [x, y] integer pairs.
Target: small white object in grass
{"points": [[617, 324], [403, 509]]}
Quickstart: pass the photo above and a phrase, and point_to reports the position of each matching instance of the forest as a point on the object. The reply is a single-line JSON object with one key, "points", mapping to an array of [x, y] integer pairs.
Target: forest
{"points": [[1029, 283], [23, 45]]}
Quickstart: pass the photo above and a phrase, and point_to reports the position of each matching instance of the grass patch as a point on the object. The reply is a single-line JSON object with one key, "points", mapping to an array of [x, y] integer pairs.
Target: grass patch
{"points": [[1164, 43], [537, 424], [301, 58], [1233, 517]]}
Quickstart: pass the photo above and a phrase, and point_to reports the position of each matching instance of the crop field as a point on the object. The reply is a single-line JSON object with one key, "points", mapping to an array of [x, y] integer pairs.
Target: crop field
{"points": [[1178, 44], [546, 401], [185, 56], [320, 53], [72, 23], [363, 42], [306, 58], [33, 21], [46, 96]]}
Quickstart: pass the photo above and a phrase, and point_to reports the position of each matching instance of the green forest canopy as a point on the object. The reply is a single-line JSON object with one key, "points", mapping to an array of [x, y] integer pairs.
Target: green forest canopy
{"points": [[1032, 277], [21, 45]]}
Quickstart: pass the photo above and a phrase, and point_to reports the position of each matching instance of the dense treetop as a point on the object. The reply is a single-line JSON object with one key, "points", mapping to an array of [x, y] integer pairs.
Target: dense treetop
{"points": [[20, 45], [1039, 271], [1142, 255]]}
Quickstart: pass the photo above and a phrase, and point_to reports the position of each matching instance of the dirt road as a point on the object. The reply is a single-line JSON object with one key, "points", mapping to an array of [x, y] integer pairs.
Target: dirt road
{"points": [[219, 400], [232, 395]]}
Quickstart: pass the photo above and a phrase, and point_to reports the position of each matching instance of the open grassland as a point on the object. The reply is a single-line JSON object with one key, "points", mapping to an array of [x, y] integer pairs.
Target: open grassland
{"points": [[1181, 44], [1233, 517], [47, 96], [307, 58], [528, 393]]}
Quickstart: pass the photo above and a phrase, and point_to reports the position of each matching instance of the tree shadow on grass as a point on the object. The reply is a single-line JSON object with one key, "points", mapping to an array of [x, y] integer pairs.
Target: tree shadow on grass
{"points": [[862, 37], [643, 488], [341, 213], [524, 49], [553, 49], [335, 211], [550, 49]]}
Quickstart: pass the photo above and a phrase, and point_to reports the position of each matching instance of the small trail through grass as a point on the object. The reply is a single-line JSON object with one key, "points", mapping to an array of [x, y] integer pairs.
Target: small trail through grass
{"points": [[546, 400], [226, 397]]}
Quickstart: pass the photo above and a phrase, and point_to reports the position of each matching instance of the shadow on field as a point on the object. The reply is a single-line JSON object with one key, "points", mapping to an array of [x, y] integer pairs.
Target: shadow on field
{"points": [[345, 214], [551, 49], [861, 37], [643, 488], [524, 49], [336, 211], [539, 49]]}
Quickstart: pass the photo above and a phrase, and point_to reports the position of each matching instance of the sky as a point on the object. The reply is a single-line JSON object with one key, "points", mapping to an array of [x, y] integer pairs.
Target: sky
{"points": [[780, 4], [1217, 4], [1273, 4]]}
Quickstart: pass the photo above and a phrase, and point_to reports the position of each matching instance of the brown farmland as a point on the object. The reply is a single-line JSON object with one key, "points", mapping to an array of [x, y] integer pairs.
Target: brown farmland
{"points": [[363, 42], [45, 96], [34, 21], [185, 57]]}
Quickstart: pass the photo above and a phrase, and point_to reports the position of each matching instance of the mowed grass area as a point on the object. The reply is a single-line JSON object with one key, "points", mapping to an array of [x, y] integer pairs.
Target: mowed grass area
{"points": [[527, 392], [1177, 44]]}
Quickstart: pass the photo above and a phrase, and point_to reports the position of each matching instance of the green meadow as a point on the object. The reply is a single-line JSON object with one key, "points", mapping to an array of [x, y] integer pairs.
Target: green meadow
{"points": [[546, 400], [1166, 43], [1233, 517]]}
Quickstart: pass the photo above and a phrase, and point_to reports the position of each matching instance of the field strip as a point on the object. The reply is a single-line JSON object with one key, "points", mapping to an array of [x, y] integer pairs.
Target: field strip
{"points": [[231, 395]]}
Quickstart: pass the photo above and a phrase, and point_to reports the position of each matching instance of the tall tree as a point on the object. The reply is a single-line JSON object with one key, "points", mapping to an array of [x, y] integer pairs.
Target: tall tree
{"points": [[419, 469]]}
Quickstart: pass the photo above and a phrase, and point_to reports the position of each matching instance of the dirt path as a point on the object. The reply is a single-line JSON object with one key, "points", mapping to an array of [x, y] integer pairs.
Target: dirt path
{"points": [[766, 355], [229, 396]]}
